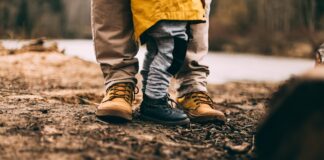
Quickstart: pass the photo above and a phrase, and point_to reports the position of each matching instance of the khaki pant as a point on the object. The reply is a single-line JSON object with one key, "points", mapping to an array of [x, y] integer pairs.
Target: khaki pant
{"points": [[115, 47]]}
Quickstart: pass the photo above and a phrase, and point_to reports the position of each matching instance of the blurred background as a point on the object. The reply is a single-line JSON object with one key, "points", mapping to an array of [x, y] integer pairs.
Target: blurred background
{"points": [[271, 27]]}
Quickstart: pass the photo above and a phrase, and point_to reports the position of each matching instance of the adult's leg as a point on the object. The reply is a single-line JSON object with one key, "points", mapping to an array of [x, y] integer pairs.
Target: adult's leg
{"points": [[115, 50], [113, 39], [192, 93], [193, 75]]}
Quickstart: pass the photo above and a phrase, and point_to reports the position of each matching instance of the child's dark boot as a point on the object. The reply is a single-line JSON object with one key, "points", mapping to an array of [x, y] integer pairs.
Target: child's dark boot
{"points": [[160, 111]]}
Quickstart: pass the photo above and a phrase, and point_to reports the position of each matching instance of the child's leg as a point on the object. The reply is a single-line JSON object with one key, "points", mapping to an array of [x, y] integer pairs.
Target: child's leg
{"points": [[164, 36], [149, 57], [167, 44]]}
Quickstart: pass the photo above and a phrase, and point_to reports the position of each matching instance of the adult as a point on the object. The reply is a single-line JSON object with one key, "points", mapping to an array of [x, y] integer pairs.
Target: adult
{"points": [[116, 49]]}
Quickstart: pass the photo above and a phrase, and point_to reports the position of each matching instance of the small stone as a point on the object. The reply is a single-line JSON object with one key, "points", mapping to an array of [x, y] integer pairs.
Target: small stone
{"points": [[50, 130], [243, 148]]}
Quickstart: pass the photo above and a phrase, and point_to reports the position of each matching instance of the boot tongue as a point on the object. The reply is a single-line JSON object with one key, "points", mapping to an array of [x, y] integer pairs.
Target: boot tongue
{"points": [[151, 101]]}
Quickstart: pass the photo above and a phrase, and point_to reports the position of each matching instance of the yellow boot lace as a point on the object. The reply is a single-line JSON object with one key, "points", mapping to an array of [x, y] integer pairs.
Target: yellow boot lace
{"points": [[122, 90], [201, 98]]}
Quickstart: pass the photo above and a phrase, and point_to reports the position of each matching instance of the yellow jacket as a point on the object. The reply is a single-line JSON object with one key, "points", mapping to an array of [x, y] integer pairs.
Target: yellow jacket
{"points": [[148, 12]]}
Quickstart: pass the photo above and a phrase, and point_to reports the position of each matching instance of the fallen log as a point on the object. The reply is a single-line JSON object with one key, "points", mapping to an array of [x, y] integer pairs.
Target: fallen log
{"points": [[294, 128]]}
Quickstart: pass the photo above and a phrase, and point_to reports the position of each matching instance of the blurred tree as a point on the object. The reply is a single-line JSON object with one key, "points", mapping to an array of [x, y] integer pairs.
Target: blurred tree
{"points": [[236, 25], [56, 5], [287, 15], [49, 18], [22, 20], [319, 14]]}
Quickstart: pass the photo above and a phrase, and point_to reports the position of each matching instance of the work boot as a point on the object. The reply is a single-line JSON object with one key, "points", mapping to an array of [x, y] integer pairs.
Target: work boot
{"points": [[117, 102], [199, 107], [160, 111]]}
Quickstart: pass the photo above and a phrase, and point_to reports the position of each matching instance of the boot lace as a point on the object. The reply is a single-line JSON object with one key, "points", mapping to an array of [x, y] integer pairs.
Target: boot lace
{"points": [[172, 103], [123, 90], [202, 98]]}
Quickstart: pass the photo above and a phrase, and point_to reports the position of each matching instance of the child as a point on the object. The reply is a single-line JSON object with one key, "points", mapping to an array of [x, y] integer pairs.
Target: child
{"points": [[162, 25]]}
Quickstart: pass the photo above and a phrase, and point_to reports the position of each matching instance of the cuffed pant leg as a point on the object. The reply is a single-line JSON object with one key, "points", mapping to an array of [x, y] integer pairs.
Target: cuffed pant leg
{"points": [[113, 40], [193, 75]]}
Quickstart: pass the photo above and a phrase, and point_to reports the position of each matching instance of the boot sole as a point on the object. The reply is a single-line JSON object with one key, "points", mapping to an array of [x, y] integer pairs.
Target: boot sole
{"points": [[114, 115], [111, 120], [181, 122], [294, 127], [204, 119]]}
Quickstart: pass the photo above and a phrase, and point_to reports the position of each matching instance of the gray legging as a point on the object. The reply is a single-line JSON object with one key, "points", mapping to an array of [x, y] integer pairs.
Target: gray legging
{"points": [[166, 48]]}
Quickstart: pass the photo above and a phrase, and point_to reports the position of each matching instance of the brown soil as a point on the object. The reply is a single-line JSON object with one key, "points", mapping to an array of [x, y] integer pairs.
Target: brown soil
{"points": [[47, 106]]}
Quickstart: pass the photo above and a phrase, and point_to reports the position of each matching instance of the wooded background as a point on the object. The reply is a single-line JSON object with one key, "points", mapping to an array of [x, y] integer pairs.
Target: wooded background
{"points": [[283, 27]]}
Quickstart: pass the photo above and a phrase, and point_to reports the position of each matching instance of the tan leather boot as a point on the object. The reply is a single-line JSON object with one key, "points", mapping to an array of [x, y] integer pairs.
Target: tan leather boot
{"points": [[118, 102], [198, 106]]}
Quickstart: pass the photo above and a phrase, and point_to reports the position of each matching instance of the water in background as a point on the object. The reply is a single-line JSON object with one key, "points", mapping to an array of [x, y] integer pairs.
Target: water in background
{"points": [[224, 67]]}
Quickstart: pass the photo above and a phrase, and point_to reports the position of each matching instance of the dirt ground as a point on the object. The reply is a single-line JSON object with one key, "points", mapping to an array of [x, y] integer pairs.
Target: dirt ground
{"points": [[47, 106]]}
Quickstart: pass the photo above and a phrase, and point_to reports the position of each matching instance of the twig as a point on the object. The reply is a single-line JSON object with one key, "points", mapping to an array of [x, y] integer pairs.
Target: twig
{"points": [[88, 101]]}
